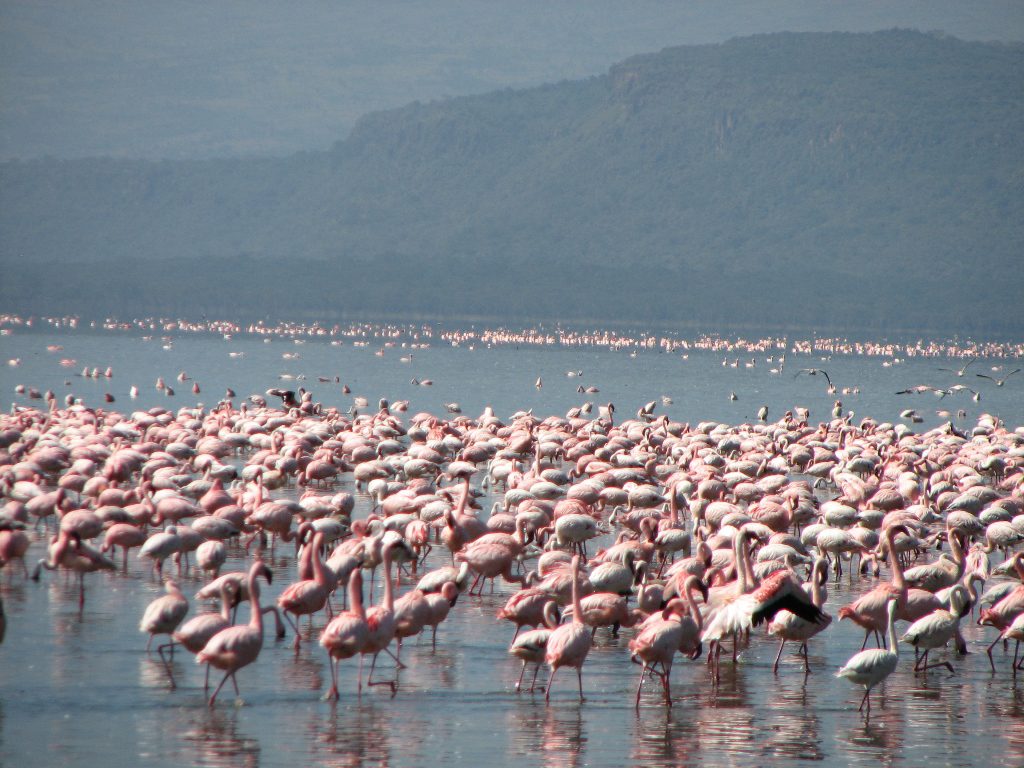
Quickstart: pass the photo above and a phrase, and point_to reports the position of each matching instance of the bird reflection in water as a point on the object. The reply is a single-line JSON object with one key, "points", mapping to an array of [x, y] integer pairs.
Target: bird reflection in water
{"points": [[353, 737], [217, 742], [793, 725], [305, 672], [663, 736], [881, 737], [554, 734]]}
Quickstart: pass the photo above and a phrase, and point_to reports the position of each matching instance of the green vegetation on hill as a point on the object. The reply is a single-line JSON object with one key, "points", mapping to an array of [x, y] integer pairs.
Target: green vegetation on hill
{"points": [[828, 180]]}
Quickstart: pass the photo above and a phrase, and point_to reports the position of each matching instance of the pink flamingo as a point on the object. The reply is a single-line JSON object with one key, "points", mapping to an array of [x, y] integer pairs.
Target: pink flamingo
{"points": [[532, 646], [570, 643], [162, 617], [304, 598], [237, 647], [665, 633], [1003, 613], [126, 536], [525, 608], [440, 605], [381, 621], [870, 611], [195, 633], [70, 552], [13, 546], [488, 560], [788, 626], [346, 634]]}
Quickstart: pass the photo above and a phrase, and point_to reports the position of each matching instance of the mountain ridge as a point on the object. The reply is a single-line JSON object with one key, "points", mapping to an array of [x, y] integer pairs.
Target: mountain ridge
{"points": [[886, 166]]}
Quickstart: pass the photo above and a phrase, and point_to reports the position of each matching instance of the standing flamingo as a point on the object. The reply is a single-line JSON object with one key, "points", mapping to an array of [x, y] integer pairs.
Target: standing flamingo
{"points": [[195, 633], [381, 620], [870, 667], [532, 646], [304, 598], [570, 643], [662, 635], [346, 634], [162, 617], [788, 626], [237, 647]]}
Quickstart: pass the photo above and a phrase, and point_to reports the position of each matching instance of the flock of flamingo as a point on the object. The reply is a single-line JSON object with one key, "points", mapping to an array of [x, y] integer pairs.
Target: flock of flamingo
{"points": [[718, 530]]}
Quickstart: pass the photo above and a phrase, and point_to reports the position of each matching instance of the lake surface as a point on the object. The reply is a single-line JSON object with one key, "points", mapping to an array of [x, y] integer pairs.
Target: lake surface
{"points": [[79, 689]]}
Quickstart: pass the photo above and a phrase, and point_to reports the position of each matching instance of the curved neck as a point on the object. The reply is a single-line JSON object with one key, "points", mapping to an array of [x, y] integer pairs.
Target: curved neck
{"points": [[957, 552], [225, 601], [894, 562]]}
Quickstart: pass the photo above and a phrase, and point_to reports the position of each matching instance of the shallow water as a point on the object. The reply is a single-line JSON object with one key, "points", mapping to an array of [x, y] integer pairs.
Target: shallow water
{"points": [[79, 689]]}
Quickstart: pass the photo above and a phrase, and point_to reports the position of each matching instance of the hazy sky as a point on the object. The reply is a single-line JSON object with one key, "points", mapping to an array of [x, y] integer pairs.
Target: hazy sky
{"points": [[201, 78]]}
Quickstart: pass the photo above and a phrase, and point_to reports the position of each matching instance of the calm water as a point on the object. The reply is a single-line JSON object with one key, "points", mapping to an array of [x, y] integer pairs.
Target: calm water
{"points": [[80, 689]]}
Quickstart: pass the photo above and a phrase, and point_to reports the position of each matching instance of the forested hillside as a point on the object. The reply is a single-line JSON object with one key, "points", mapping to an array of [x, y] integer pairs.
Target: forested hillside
{"points": [[869, 181]]}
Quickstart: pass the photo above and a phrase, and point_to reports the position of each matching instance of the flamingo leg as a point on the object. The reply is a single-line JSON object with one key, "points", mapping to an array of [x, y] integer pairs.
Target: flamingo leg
{"points": [[579, 677], [219, 686], [519, 682], [547, 688], [536, 671], [775, 667], [989, 652], [643, 674]]}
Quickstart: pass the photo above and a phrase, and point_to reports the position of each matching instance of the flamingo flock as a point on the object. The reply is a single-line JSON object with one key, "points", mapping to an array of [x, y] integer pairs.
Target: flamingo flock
{"points": [[691, 539]]}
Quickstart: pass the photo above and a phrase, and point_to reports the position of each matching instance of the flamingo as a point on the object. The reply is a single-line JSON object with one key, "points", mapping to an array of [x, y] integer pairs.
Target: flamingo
{"points": [[870, 667], [381, 620], [237, 647], [195, 633], [346, 634], [789, 626], [532, 646], [440, 604], [665, 633], [569, 644], [869, 610], [306, 597], [936, 629], [162, 617], [70, 552]]}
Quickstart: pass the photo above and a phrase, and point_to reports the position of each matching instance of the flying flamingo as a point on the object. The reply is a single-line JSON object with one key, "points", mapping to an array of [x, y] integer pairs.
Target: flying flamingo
{"points": [[870, 667], [237, 647], [570, 643], [346, 634]]}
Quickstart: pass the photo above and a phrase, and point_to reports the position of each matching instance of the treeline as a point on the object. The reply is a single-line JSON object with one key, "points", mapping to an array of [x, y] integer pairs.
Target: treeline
{"points": [[826, 180]]}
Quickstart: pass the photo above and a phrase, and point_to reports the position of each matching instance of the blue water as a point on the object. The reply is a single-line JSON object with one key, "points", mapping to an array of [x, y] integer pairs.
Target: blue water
{"points": [[79, 689]]}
